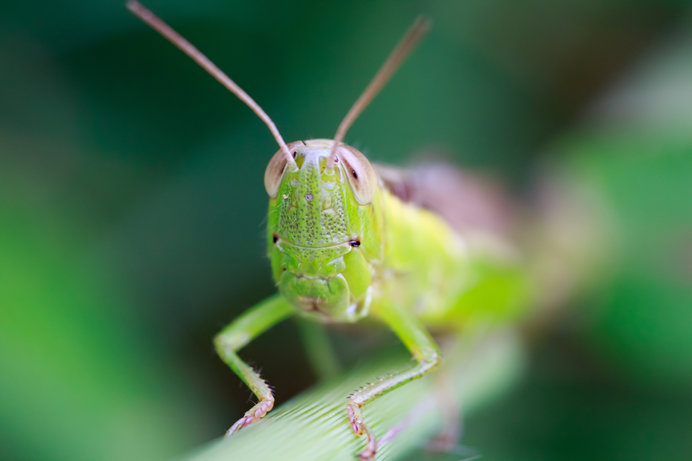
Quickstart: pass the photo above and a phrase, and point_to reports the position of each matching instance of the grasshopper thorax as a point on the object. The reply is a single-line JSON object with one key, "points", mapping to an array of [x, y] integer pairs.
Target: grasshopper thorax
{"points": [[320, 228]]}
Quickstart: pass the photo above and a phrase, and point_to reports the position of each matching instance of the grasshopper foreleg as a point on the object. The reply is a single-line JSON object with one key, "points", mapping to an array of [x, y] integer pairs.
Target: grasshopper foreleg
{"points": [[236, 335], [421, 345]]}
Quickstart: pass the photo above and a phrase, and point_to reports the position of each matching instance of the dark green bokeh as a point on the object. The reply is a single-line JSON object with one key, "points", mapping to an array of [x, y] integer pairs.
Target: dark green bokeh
{"points": [[132, 206]]}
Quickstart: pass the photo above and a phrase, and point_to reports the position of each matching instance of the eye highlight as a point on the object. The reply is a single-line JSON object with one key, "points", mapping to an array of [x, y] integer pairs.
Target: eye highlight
{"points": [[361, 175]]}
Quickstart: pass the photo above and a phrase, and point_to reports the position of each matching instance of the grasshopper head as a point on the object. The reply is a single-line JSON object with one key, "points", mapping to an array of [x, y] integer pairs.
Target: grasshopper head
{"points": [[324, 229], [325, 221]]}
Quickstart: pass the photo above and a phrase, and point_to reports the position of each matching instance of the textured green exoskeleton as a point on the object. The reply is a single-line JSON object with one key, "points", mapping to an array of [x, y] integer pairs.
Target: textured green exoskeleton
{"points": [[343, 247]]}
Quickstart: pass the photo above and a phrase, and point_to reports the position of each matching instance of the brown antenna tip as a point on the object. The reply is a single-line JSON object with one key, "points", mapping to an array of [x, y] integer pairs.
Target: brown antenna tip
{"points": [[402, 50], [186, 47]]}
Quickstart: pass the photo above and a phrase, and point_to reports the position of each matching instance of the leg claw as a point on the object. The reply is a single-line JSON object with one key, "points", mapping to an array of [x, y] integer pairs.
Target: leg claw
{"points": [[367, 455], [252, 415], [359, 428]]}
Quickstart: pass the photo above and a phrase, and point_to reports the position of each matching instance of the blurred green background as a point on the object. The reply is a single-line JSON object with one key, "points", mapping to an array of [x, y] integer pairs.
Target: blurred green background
{"points": [[132, 206]]}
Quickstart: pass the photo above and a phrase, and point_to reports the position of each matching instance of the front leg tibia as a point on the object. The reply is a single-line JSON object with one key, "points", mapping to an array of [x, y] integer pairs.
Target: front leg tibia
{"points": [[257, 385], [373, 390], [421, 345], [236, 335]]}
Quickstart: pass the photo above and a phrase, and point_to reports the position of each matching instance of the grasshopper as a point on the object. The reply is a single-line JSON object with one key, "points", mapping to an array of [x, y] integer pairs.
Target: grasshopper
{"points": [[345, 246]]}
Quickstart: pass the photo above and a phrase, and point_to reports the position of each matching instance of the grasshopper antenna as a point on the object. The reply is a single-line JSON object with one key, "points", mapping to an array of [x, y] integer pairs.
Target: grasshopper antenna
{"points": [[415, 33], [186, 47]]}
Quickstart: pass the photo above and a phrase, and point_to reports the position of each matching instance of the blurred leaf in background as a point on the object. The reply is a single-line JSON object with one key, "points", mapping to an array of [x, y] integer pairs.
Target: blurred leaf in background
{"points": [[132, 206]]}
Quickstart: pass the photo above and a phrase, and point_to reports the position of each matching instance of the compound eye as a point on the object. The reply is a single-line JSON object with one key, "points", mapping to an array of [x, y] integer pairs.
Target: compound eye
{"points": [[275, 172], [361, 175]]}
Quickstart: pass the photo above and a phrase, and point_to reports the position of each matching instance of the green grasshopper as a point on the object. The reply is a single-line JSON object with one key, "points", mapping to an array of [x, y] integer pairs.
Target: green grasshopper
{"points": [[344, 246]]}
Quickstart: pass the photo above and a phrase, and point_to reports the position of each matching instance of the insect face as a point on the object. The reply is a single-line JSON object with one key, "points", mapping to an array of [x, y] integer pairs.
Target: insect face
{"points": [[321, 253]]}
